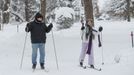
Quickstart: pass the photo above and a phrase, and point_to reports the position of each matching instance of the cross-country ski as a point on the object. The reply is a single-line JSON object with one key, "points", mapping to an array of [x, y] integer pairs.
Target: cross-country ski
{"points": [[87, 67], [45, 70]]}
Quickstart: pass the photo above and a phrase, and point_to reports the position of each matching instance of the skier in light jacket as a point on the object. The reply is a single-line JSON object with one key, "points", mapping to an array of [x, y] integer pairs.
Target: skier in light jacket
{"points": [[88, 36]]}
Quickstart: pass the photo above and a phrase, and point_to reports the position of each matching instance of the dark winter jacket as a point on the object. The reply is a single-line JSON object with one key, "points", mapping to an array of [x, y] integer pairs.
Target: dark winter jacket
{"points": [[38, 31]]}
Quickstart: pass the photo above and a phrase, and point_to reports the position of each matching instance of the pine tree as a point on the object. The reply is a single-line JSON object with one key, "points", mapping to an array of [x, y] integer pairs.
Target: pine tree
{"points": [[96, 8], [116, 8], [50, 7], [6, 11], [17, 10], [128, 10], [30, 9], [1, 10]]}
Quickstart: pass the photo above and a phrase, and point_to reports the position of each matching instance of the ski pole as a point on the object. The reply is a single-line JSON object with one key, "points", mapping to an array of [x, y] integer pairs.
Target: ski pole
{"points": [[132, 39], [55, 52], [102, 50], [23, 51], [100, 30]]}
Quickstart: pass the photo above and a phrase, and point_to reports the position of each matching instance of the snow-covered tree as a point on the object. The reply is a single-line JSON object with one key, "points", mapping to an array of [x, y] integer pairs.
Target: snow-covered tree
{"points": [[6, 11], [74, 4], [50, 7], [23, 10], [96, 8], [64, 3], [1, 10], [132, 8], [17, 10], [64, 17], [30, 9], [77, 8], [116, 8]]}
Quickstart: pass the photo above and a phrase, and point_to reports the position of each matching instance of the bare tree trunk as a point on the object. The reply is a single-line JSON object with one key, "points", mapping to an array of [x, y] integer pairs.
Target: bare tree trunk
{"points": [[6, 11], [26, 10], [1, 9], [128, 10], [82, 2], [30, 9], [88, 8], [133, 9], [43, 8], [0, 19]]}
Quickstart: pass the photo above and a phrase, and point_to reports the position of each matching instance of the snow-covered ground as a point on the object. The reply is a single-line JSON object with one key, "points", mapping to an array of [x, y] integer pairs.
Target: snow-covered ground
{"points": [[116, 43]]}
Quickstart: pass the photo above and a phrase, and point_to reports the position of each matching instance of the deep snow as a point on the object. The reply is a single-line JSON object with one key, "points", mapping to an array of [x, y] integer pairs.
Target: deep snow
{"points": [[116, 43]]}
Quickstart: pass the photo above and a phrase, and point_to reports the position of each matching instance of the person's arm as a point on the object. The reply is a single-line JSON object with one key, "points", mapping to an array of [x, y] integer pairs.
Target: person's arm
{"points": [[94, 30], [97, 33], [48, 29]]}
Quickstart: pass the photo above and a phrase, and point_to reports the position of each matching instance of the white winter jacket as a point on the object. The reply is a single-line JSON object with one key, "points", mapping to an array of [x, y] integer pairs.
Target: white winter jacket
{"points": [[83, 35]]}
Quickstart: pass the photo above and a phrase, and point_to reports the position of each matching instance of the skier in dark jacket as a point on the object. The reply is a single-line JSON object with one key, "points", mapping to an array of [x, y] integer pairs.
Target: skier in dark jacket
{"points": [[38, 31]]}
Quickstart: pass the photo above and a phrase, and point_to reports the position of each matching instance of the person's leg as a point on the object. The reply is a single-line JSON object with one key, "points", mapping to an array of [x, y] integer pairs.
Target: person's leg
{"points": [[83, 53], [34, 54], [91, 59], [42, 54]]}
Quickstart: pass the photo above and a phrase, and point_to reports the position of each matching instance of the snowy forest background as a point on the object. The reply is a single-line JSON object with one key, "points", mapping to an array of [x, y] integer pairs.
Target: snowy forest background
{"points": [[17, 11]]}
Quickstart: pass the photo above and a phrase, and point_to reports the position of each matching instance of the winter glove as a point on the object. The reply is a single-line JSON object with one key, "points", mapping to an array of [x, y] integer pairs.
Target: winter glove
{"points": [[27, 27], [51, 25], [100, 28], [48, 29], [82, 28]]}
